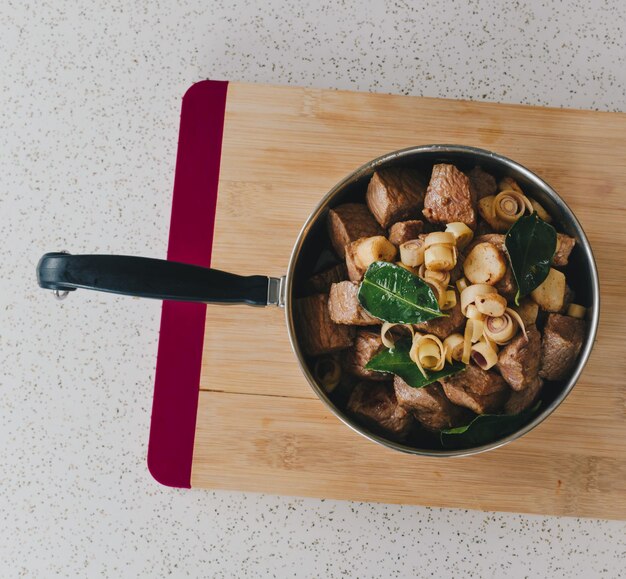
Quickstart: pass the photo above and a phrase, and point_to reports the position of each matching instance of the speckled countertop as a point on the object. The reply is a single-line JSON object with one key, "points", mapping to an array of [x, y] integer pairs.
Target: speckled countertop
{"points": [[90, 100]]}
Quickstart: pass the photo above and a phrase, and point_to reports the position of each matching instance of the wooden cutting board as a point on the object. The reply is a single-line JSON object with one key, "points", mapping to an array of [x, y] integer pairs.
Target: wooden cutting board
{"points": [[258, 425]]}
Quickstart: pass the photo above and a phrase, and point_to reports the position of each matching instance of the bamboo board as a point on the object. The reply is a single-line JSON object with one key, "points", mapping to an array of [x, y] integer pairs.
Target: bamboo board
{"points": [[259, 425]]}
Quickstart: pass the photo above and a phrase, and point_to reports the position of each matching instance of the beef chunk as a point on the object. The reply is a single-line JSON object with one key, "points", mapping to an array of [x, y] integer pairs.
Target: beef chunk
{"points": [[448, 197], [344, 306], [496, 239], [405, 231], [521, 400], [366, 345], [320, 283], [349, 222], [430, 406], [518, 361], [482, 184], [395, 194], [376, 404], [444, 326], [564, 246], [482, 391], [563, 338], [317, 333]]}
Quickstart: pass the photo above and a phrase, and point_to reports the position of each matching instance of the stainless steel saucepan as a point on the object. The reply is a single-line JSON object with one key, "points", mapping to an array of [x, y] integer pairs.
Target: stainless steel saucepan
{"points": [[152, 278]]}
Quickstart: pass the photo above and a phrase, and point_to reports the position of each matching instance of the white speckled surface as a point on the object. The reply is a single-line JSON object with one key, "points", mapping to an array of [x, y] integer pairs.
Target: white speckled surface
{"points": [[90, 100]]}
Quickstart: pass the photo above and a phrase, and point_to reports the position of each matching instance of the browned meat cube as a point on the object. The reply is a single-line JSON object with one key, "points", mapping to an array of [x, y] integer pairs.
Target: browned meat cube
{"points": [[564, 246], [448, 197], [496, 239], [519, 360], [366, 345], [395, 194], [404, 231], [349, 222], [429, 405], [482, 391], [444, 326], [521, 400], [317, 333], [344, 306], [320, 283], [563, 338], [376, 404], [482, 184]]}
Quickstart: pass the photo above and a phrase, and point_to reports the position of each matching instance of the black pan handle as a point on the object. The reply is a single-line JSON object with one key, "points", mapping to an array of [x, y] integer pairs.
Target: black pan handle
{"points": [[154, 278]]}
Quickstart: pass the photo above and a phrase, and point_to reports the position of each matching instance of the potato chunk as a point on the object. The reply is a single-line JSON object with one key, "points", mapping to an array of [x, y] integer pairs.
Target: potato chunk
{"points": [[485, 263], [551, 293]]}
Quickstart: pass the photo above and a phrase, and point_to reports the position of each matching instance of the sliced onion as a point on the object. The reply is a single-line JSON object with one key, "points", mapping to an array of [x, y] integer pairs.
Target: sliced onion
{"points": [[462, 233], [473, 332], [450, 300], [327, 372], [509, 183], [510, 205], [384, 338], [468, 295], [453, 347], [439, 238], [576, 311], [440, 277], [428, 353], [412, 252], [541, 212], [502, 329], [491, 304], [473, 314], [440, 257], [484, 355]]}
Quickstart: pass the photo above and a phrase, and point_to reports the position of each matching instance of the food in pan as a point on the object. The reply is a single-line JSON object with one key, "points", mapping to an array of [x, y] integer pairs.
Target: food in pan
{"points": [[449, 315]]}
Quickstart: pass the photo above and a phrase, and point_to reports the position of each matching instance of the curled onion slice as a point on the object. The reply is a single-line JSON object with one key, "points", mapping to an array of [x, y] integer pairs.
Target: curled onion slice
{"points": [[440, 277], [469, 294], [541, 212], [453, 347], [462, 233], [439, 238], [473, 314], [484, 355], [412, 252], [386, 340], [473, 332], [427, 352], [327, 372], [502, 329], [510, 205], [450, 300]]}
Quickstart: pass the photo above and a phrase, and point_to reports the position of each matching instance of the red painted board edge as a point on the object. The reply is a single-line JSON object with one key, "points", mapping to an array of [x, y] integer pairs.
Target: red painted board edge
{"points": [[179, 357]]}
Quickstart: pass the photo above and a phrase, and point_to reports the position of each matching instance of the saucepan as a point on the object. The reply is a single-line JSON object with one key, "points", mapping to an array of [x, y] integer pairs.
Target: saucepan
{"points": [[152, 278]]}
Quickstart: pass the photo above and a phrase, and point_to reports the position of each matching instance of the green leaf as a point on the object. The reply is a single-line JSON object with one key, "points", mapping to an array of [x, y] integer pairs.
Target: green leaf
{"points": [[397, 361], [485, 428], [531, 244], [393, 294]]}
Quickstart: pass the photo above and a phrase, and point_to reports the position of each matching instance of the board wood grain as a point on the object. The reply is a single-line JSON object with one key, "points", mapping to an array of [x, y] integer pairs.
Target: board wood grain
{"points": [[259, 425]]}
